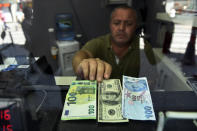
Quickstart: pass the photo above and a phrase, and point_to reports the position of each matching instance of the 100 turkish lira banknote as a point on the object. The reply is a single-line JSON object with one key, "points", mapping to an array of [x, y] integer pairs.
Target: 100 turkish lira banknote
{"points": [[136, 99]]}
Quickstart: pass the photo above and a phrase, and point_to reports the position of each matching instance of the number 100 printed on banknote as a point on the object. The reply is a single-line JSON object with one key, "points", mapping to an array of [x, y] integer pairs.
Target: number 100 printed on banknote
{"points": [[80, 101], [136, 99]]}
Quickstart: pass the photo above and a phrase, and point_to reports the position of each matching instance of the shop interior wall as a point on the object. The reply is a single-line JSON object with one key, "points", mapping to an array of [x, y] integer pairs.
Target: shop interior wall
{"points": [[91, 19], [147, 10]]}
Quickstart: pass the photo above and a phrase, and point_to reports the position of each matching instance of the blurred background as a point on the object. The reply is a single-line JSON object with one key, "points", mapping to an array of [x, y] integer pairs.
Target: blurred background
{"points": [[57, 29]]}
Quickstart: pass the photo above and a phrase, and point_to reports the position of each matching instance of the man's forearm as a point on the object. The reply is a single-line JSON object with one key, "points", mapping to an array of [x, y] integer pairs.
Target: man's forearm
{"points": [[78, 57]]}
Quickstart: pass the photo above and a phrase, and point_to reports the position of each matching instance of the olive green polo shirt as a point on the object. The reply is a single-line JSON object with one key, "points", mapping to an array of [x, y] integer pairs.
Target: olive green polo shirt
{"points": [[128, 65]]}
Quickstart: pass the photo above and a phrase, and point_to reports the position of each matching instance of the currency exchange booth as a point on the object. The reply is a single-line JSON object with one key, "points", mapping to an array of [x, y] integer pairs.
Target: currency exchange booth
{"points": [[38, 94]]}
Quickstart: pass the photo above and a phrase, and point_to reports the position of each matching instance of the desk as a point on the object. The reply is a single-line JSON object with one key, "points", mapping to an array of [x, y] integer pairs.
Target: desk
{"points": [[43, 106], [162, 101], [48, 117], [170, 73]]}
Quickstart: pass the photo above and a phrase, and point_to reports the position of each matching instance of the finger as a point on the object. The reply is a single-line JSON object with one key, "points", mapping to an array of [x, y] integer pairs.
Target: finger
{"points": [[108, 70], [100, 70], [80, 72], [85, 69], [93, 67]]}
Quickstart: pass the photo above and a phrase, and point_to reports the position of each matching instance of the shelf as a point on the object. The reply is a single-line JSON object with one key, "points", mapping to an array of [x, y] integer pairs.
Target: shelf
{"points": [[185, 19]]}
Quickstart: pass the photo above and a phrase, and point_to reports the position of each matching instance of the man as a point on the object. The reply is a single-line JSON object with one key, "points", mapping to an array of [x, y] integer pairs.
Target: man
{"points": [[114, 54]]}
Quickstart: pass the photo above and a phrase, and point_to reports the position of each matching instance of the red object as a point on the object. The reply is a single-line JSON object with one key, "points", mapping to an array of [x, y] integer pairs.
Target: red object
{"points": [[1, 16], [5, 5]]}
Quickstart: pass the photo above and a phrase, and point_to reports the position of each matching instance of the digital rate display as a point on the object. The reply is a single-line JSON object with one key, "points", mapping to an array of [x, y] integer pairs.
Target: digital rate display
{"points": [[10, 114], [5, 119]]}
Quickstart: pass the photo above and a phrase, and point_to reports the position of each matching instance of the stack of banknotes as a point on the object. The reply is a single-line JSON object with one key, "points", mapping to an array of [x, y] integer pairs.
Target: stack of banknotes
{"points": [[115, 104]]}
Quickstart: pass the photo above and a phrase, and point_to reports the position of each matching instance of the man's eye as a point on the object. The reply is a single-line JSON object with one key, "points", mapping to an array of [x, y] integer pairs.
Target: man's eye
{"points": [[129, 24], [116, 23]]}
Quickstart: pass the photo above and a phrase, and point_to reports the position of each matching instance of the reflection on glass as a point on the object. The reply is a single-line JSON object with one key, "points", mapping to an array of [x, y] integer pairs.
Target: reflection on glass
{"points": [[13, 15], [169, 74], [174, 7]]}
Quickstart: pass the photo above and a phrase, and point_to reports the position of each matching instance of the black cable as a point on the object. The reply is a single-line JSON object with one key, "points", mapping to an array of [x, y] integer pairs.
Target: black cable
{"points": [[41, 103]]}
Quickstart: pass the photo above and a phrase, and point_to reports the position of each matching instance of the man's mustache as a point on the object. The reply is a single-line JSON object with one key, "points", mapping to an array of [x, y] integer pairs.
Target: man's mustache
{"points": [[121, 33]]}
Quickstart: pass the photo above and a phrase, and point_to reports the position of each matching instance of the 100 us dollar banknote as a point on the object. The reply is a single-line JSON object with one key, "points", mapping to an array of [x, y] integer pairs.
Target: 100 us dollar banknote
{"points": [[136, 99], [80, 101], [110, 101]]}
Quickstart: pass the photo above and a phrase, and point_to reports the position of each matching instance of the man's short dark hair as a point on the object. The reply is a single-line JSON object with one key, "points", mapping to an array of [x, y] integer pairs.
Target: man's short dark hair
{"points": [[123, 7]]}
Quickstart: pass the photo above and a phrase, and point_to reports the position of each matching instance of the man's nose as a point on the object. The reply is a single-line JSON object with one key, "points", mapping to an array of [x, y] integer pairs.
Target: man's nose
{"points": [[122, 26]]}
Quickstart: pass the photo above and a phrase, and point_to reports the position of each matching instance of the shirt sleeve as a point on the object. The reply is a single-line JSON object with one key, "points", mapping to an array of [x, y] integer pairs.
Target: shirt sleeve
{"points": [[149, 52], [92, 46]]}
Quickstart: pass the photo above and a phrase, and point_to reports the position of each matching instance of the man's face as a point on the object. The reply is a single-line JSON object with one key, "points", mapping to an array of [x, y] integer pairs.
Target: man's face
{"points": [[122, 26]]}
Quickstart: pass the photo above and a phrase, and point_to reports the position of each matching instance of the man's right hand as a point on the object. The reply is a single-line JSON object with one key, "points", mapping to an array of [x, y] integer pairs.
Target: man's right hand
{"points": [[94, 69]]}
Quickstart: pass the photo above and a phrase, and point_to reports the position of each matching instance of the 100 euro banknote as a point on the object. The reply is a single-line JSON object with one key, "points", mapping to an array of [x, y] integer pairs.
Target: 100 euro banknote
{"points": [[136, 99], [80, 101]]}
